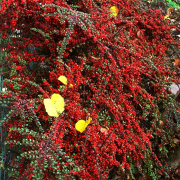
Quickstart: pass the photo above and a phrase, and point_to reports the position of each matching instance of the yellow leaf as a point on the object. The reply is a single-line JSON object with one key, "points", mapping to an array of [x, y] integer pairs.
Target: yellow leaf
{"points": [[70, 85], [114, 10], [63, 79], [161, 122], [88, 121], [58, 102], [50, 108], [54, 105], [166, 17], [82, 124]]}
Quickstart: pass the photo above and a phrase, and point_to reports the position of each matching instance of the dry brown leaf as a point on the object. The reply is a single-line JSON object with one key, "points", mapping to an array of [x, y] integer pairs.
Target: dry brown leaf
{"points": [[120, 174], [145, 178], [175, 140], [128, 176], [158, 112], [177, 70], [140, 34], [178, 110], [170, 10], [119, 177], [95, 58], [13, 163], [110, 168], [160, 172], [177, 171], [140, 178], [104, 130], [110, 151]]}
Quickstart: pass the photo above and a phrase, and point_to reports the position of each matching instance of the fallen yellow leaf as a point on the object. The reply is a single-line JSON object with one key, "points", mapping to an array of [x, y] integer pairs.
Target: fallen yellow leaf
{"points": [[114, 10], [63, 79], [82, 124], [166, 17], [55, 105]]}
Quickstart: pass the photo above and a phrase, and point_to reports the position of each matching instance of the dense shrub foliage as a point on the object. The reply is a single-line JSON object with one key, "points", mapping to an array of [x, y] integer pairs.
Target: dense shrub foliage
{"points": [[119, 71]]}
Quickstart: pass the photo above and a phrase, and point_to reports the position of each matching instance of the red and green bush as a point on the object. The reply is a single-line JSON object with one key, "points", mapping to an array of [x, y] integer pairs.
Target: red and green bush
{"points": [[119, 70]]}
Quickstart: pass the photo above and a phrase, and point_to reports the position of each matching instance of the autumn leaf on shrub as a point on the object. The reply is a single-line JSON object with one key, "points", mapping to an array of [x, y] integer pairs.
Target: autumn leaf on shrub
{"points": [[176, 62], [82, 124], [55, 105], [114, 10], [63, 79], [166, 17], [169, 11]]}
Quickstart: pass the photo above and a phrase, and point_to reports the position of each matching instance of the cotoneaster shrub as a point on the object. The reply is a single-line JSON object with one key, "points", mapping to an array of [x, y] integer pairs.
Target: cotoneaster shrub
{"points": [[119, 70]]}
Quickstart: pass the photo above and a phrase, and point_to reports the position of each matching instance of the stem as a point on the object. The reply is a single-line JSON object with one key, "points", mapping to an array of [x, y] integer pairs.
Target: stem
{"points": [[50, 137]]}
